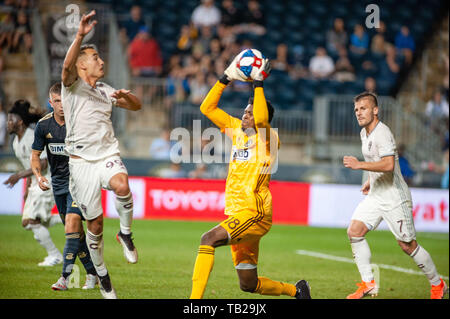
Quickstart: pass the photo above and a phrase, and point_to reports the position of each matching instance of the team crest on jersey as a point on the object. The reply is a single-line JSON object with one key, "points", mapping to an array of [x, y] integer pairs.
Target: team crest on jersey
{"points": [[370, 145]]}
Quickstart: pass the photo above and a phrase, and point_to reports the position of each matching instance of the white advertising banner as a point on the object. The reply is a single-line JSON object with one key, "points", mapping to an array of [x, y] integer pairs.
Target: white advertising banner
{"points": [[333, 205], [10, 198]]}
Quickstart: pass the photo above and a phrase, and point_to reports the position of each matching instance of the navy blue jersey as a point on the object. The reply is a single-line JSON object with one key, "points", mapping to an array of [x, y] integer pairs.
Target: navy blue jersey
{"points": [[50, 135]]}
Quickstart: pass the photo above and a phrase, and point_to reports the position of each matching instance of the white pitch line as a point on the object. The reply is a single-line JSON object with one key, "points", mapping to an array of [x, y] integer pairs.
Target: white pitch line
{"points": [[351, 261]]}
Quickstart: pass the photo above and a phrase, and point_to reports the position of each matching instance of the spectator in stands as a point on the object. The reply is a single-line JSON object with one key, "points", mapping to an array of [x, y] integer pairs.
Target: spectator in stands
{"points": [[437, 109], [359, 40], [230, 14], [22, 34], [7, 31], [281, 62], [445, 82], [186, 39], [344, 71], [131, 27], [160, 147], [321, 66], [370, 85], [3, 118], [215, 49], [389, 67], [254, 18], [206, 35], [200, 171], [379, 45], [405, 44], [337, 37], [405, 167], [145, 55], [298, 70], [198, 88], [206, 14], [174, 171]]}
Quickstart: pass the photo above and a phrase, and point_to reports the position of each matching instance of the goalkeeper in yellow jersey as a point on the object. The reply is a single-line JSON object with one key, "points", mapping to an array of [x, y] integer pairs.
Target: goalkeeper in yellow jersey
{"points": [[248, 201]]}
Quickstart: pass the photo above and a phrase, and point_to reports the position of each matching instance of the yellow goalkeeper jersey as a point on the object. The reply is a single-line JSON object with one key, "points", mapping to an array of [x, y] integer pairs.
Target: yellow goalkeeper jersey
{"points": [[252, 157]]}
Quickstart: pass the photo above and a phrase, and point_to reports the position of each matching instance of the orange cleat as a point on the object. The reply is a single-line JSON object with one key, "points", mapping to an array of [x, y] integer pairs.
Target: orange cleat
{"points": [[438, 291], [364, 289]]}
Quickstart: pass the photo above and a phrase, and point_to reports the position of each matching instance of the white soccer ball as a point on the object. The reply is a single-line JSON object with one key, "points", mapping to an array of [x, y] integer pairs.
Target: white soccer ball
{"points": [[249, 62]]}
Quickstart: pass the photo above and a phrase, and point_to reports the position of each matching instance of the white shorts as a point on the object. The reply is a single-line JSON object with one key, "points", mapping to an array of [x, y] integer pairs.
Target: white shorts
{"points": [[38, 204], [87, 178], [399, 219]]}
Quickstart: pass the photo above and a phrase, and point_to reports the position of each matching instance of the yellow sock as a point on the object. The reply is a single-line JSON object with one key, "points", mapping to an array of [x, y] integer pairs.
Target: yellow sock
{"points": [[202, 269], [270, 287]]}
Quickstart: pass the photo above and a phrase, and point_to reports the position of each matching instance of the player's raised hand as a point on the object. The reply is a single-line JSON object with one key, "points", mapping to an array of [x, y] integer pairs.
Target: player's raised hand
{"points": [[232, 71], [264, 71], [85, 23], [351, 162], [43, 183], [120, 93]]}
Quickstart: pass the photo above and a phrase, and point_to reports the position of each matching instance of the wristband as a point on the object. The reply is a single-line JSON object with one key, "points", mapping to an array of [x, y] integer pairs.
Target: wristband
{"points": [[257, 84], [224, 79]]}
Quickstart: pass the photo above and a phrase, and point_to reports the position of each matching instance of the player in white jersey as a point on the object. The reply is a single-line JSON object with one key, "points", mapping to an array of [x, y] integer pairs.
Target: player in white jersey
{"points": [[36, 214], [94, 150], [388, 198]]}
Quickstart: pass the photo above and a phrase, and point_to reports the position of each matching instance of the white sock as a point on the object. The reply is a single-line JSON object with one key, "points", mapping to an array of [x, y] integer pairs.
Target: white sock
{"points": [[42, 236], [423, 260], [362, 255], [54, 220], [124, 206], [95, 246]]}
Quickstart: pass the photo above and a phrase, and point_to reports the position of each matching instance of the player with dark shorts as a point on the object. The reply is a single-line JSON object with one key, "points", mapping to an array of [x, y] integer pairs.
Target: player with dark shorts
{"points": [[50, 134]]}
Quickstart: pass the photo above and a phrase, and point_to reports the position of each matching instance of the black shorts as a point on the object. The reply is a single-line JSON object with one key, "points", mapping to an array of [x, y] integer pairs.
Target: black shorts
{"points": [[66, 205]]}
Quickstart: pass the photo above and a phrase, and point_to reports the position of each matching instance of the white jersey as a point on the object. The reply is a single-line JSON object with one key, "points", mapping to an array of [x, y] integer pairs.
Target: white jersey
{"points": [[22, 149], [388, 188], [87, 110]]}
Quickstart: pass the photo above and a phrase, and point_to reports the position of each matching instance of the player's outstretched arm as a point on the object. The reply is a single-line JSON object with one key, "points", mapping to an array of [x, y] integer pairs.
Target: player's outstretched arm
{"points": [[210, 109], [36, 166], [127, 100], [260, 111], [69, 71], [386, 164], [13, 179]]}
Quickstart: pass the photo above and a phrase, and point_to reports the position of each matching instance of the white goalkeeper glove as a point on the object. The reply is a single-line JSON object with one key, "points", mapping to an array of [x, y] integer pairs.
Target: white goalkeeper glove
{"points": [[264, 71], [233, 73]]}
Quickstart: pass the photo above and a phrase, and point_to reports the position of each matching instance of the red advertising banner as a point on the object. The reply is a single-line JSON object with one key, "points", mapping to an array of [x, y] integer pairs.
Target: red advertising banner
{"points": [[191, 199]]}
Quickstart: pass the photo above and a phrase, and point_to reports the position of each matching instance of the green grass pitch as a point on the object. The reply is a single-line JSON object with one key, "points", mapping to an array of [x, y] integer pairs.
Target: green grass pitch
{"points": [[167, 252]]}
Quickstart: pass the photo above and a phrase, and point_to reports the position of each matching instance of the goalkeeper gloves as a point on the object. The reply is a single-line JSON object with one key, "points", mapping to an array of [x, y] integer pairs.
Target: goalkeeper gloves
{"points": [[232, 71], [264, 71]]}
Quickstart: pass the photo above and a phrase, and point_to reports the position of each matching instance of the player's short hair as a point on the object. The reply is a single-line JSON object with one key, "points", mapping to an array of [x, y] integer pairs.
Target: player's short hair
{"points": [[365, 95], [84, 47], [270, 108], [55, 89], [22, 109]]}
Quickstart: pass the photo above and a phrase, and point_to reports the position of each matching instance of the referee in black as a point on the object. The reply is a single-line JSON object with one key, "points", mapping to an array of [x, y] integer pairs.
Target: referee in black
{"points": [[50, 133]]}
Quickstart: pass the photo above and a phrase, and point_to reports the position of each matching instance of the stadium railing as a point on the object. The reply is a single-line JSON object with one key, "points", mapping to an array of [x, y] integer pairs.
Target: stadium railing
{"points": [[40, 58]]}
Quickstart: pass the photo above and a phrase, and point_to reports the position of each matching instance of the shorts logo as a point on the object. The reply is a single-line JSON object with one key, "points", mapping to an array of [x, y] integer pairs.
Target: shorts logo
{"points": [[83, 208], [74, 204], [69, 256], [82, 254]]}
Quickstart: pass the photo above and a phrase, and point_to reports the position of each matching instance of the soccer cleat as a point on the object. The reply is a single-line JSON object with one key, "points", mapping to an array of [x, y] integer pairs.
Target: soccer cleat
{"points": [[303, 290], [364, 289], [50, 261], [106, 288], [60, 285], [438, 291], [91, 281], [129, 250]]}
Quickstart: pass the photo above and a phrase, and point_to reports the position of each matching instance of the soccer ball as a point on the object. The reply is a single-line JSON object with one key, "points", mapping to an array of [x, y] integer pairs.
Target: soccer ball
{"points": [[249, 62]]}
